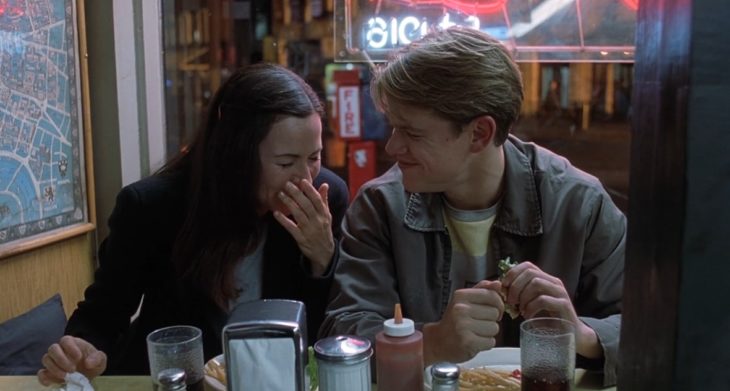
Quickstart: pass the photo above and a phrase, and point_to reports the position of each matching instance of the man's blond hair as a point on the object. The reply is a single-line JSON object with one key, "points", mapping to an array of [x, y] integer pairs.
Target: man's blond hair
{"points": [[458, 73]]}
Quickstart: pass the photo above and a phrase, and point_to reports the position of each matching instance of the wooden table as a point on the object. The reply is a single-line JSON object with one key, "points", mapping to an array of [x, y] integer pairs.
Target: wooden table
{"points": [[102, 383], [584, 381]]}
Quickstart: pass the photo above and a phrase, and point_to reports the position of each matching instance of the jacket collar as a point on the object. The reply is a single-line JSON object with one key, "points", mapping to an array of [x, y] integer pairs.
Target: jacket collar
{"points": [[424, 212], [518, 214]]}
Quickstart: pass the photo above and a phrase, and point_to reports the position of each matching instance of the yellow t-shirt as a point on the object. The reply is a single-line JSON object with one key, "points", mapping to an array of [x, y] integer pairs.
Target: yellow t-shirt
{"points": [[469, 233]]}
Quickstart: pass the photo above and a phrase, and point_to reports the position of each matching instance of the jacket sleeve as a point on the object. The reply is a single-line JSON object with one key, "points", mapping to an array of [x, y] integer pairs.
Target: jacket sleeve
{"points": [[115, 294], [598, 302], [365, 286]]}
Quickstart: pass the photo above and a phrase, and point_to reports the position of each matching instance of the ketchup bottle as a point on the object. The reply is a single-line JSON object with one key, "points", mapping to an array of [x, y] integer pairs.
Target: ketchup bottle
{"points": [[399, 355]]}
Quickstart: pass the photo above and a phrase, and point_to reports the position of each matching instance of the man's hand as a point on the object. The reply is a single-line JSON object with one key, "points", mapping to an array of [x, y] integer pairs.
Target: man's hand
{"points": [[311, 226], [538, 293], [468, 326], [71, 354]]}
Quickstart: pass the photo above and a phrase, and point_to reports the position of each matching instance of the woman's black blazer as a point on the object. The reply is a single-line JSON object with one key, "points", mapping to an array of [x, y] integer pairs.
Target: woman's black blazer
{"points": [[135, 264]]}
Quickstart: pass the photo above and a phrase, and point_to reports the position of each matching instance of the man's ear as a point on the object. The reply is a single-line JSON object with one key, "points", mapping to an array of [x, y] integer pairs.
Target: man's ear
{"points": [[484, 129]]}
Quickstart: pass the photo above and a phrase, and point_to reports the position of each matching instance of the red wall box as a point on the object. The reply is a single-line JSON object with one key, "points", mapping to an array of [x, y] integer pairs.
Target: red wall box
{"points": [[360, 164]]}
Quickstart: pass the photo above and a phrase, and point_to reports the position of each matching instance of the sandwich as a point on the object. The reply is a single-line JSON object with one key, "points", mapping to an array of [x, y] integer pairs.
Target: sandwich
{"points": [[503, 267]]}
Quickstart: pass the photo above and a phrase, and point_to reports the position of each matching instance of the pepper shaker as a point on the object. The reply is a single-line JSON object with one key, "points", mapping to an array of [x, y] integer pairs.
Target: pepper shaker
{"points": [[444, 377], [343, 363], [171, 379]]}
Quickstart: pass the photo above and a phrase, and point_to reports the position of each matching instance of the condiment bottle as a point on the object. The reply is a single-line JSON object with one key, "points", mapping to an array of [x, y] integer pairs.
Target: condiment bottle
{"points": [[343, 363], [399, 355], [444, 377], [171, 379]]}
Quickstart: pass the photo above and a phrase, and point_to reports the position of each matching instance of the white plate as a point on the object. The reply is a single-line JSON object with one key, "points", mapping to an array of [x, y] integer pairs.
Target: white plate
{"points": [[213, 384], [507, 359]]}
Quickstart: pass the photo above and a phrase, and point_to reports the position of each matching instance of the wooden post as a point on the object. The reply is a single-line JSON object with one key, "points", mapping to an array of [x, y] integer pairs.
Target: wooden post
{"points": [[531, 83], [675, 319], [214, 23], [581, 83], [609, 90]]}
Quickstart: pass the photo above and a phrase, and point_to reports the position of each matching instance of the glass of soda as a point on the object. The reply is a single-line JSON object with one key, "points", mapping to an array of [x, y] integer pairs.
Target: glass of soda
{"points": [[177, 347], [547, 354]]}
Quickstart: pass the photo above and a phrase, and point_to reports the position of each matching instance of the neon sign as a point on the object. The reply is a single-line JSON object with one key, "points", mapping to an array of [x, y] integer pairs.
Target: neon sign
{"points": [[632, 4], [473, 7], [381, 33]]}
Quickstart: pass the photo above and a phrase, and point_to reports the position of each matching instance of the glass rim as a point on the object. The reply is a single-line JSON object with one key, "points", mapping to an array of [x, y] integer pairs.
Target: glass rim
{"points": [[196, 335], [566, 327]]}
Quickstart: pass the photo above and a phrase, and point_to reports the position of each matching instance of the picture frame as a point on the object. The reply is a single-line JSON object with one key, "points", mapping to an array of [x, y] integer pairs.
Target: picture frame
{"points": [[46, 181]]}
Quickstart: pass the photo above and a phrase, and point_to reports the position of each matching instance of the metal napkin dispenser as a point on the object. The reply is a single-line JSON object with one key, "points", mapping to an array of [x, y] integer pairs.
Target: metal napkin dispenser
{"points": [[265, 346]]}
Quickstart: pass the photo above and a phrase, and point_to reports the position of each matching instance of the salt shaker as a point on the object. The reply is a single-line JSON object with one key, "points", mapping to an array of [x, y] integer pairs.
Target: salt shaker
{"points": [[444, 377], [171, 379], [343, 363]]}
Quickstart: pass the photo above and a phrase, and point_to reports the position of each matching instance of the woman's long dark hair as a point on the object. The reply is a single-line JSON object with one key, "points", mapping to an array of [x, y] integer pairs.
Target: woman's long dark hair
{"points": [[223, 167]]}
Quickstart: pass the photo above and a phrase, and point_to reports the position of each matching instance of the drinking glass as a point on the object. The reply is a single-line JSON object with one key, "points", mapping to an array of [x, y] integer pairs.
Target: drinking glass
{"points": [[177, 347], [547, 354]]}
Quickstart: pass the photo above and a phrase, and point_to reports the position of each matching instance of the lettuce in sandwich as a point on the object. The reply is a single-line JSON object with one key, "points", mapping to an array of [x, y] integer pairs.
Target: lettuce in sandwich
{"points": [[503, 267]]}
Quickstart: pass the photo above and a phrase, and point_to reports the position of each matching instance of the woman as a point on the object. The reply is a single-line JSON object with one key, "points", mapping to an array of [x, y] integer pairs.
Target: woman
{"points": [[244, 213]]}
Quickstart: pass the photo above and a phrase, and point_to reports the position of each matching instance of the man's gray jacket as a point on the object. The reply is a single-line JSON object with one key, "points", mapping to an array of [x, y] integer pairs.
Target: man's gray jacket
{"points": [[395, 248]]}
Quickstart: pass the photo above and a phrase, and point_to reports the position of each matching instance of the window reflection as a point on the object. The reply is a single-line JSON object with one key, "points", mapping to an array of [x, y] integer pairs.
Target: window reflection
{"points": [[580, 110]]}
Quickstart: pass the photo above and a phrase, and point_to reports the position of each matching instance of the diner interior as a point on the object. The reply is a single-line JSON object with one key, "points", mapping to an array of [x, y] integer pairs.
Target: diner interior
{"points": [[633, 92]]}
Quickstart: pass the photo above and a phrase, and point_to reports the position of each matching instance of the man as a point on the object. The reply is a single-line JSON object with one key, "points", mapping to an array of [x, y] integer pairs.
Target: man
{"points": [[465, 194]]}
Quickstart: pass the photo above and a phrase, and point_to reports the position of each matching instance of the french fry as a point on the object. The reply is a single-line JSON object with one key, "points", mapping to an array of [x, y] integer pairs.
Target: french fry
{"points": [[216, 370], [485, 379]]}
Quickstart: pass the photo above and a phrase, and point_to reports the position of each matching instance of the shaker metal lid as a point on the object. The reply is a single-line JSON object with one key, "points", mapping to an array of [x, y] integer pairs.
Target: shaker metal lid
{"points": [[171, 379], [343, 348], [445, 372]]}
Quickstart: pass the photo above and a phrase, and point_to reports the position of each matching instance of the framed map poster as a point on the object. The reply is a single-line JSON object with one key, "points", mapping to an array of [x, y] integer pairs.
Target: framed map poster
{"points": [[42, 170]]}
